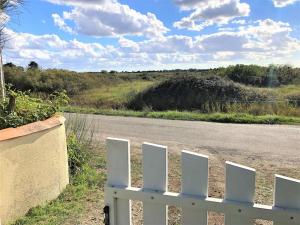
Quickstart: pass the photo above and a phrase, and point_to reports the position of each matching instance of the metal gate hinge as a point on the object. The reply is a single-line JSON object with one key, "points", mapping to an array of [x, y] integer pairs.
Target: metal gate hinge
{"points": [[106, 215]]}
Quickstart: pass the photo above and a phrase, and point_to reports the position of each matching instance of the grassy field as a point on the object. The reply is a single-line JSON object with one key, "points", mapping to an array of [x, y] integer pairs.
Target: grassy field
{"points": [[111, 96], [191, 116], [287, 89], [240, 91], [112, 100]]}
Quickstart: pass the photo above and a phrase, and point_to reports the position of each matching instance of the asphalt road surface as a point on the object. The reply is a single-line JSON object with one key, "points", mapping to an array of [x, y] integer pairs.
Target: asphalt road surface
{"points": [[178, 135]]}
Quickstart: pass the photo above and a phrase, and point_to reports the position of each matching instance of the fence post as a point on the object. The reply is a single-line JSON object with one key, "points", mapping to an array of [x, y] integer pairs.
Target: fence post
{"points": [[118, 175], [239, 187], [155, 178], [287, 195], [194, 182]]}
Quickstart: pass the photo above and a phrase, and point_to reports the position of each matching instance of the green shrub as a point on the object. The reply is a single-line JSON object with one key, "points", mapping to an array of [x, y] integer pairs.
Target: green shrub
{"points": [[249, 75], [294, 99], [20, 109], [260, 76], [51, 80], [77, 155], [206, 94]]}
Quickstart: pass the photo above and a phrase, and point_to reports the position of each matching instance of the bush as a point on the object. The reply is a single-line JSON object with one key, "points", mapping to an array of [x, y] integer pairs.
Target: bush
{"points": [[249, 75], [77, 155], [21, 109], [271, 76], [207, 94], [51, 80], [294, 99]]}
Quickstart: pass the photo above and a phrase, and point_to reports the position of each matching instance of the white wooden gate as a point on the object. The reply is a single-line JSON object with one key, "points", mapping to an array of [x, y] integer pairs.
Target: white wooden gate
{"points": [[238, 206]]}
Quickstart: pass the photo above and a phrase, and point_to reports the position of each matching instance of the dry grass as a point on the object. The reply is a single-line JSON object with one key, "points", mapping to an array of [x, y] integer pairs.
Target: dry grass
{"points": [[110, 96]]}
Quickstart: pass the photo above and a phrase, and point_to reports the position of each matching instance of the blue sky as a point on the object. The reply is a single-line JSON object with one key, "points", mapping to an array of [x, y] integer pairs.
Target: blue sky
{"points": [[92, 35]]}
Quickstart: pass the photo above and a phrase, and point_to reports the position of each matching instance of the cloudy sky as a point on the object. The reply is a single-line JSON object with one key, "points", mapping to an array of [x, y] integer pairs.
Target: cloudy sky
{"points": [[92, 35]]}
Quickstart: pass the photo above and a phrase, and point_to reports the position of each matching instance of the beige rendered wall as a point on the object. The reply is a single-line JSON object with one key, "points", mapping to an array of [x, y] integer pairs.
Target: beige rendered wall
{"points": [[33, 170]]}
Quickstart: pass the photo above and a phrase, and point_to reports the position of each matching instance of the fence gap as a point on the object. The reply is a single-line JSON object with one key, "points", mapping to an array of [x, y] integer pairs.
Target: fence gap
{"points": [[216, 218], [262, 222], [137, 212], [174, 215]]}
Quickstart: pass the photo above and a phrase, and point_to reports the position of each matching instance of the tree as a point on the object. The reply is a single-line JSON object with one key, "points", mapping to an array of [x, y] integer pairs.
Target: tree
{"points": [[7, 8], [10, 64], [33, 65]]}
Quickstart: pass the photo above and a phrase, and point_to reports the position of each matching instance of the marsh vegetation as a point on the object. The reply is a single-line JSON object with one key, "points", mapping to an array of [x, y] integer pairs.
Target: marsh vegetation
{"points": [[245, 90]]}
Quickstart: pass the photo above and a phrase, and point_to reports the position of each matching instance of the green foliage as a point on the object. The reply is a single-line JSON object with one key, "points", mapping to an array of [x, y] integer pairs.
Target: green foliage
{"points": [[51, 80], [33, 65], [28, 109], [207, 94], [231, 117], [252, 75], [294, 99], [259, 76], [250, 89], [77, 155], [10, 64]]}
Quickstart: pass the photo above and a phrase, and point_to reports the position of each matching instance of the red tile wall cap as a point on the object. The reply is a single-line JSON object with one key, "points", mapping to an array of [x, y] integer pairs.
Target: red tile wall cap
{"points": [[31, 128]]}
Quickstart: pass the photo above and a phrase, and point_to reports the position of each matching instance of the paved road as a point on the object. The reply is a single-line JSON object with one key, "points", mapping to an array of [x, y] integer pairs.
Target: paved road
{"points": [[275, 139]]}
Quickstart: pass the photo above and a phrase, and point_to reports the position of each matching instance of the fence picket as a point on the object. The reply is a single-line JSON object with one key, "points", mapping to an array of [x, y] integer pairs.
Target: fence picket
{"points": [[155, 178], [194, 182], [118, 170], [287, 195], [238, 205], [240, 187]]}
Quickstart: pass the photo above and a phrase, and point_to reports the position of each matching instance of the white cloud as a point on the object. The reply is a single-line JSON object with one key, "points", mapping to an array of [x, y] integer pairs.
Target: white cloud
{"points": [[170, 44], [129, 44], [108, 18], [240, 22], [193, 4], [283, 3], [209, 12], [58, 21], [51, 51], [267, 36], [79, 2], [263, 41], [225, 55]]}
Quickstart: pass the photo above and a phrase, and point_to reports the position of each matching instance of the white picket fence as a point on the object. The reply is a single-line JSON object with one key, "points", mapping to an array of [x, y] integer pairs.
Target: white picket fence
{"points": [[238, 206]]}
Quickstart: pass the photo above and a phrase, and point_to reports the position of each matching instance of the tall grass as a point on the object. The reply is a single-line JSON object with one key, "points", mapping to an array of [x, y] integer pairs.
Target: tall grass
{"points": [[279, 108], [110, 96], [80, 137], [82, 128]]}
